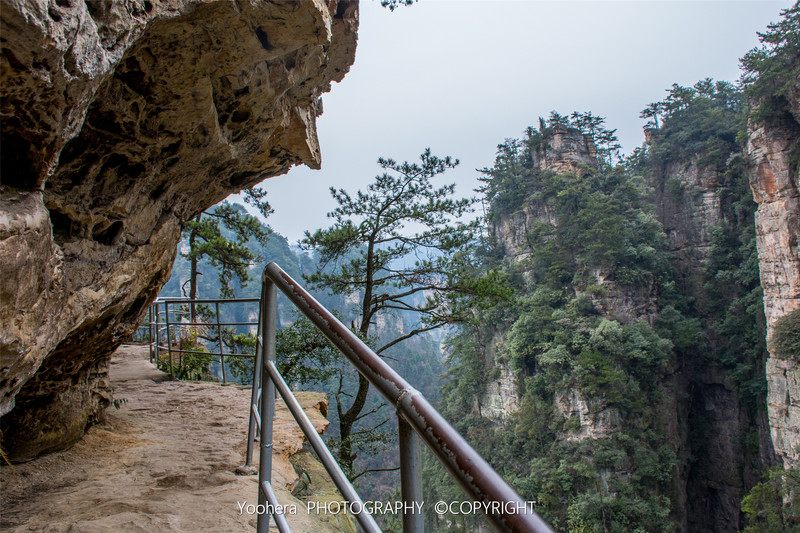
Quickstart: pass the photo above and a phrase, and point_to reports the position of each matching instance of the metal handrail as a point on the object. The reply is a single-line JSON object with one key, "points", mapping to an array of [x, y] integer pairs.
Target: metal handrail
{"points": [[417, 419], [161, 330]]}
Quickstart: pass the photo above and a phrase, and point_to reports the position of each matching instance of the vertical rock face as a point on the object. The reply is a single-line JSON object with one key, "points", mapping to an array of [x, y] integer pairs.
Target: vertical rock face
{"points": [[565, 150], [721, 468], [688, 206], [120, 122], [502, 398], [773, 170]]}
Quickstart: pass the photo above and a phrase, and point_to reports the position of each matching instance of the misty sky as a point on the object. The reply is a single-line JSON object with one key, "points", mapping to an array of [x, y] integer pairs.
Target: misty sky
{"points": [[461, 76]]}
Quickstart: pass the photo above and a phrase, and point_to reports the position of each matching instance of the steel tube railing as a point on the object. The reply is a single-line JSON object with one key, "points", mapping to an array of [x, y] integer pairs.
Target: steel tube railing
{"points": [[181, 351], [268, 324], [469, 469], [207, 324], [255, 418], [346, 489], [175, 318], [181, 300], [417, 419], [410, 476]]}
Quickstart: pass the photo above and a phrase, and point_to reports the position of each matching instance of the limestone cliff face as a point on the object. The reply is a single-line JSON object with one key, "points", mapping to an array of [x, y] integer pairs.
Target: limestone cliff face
{"points": [[688, 206], [120, 122], [502, 395], [776, 188], [565, 150], [717, 468]]}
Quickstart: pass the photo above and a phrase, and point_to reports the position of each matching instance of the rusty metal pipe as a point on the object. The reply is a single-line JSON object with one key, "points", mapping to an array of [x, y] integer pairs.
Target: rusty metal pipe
{"points": [[346, 489], [269, 310], [471, 471]]}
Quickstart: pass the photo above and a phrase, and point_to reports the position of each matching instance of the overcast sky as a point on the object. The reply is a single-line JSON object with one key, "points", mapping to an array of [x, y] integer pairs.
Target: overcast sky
{"points": [[461, 76]]}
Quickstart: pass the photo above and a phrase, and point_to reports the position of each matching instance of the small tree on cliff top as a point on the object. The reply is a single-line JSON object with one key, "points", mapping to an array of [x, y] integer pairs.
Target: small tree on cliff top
{"points": [[390, 266], [770, 71]]}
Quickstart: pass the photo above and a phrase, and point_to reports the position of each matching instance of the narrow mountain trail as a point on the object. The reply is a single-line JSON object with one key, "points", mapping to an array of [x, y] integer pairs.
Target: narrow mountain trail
{"points": [[166, 461]]}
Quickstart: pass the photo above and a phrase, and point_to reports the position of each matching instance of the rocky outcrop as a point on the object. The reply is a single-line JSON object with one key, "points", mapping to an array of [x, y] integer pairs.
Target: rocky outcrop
{"points": [[772, 151], [511, 230], [688, 206], [593, 421], [622, 302], [502, 398], [122, 120], [566, 150], [561, 150]]}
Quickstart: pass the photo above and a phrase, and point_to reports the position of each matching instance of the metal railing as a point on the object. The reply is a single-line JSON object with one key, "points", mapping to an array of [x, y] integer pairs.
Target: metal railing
{"points": [[504, 509], [169, 315]]}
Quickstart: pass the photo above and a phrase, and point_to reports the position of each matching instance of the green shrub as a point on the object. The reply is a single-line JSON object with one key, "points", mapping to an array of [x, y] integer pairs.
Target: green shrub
{"points": [[193, 362], [772, 506], [785, 342]]}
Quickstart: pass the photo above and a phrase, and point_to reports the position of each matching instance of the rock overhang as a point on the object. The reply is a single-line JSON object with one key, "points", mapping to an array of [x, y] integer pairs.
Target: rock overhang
{"points": [[122, 120]]}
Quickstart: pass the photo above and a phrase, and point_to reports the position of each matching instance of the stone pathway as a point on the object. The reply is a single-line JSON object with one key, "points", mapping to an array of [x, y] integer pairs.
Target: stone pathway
{"points": [[163, 461]]}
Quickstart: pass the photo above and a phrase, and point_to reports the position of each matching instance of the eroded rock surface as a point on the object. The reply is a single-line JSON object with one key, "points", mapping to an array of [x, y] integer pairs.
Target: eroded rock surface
{"points": [[776, 188], [122, 120], [567, 150]]}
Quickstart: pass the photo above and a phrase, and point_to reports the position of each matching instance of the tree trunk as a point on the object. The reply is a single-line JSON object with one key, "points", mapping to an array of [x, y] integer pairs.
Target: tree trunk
{"points": [[347, 456], [193, 271]]}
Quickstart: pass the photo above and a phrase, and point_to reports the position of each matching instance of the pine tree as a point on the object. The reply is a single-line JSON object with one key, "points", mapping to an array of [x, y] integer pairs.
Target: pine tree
{"points": [[231, 257], [378, 254]]}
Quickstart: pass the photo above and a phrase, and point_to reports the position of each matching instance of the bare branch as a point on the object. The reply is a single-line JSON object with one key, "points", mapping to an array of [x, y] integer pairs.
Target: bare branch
{"points": [[362, 415], [410, 334], [375, 470]]}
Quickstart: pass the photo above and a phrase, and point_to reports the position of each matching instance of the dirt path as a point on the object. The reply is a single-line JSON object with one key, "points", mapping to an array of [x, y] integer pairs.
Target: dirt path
{"points": [[164, 461]]}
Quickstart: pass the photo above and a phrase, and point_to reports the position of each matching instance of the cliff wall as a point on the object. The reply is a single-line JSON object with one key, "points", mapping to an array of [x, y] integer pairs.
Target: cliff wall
{"points": [[718, 421], [697, 401], [121, 121], [773, 167]]}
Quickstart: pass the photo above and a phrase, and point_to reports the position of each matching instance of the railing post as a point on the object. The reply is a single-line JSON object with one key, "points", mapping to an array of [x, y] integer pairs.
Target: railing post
{"points": [[158, 332], [221, 357], [254, 397], [269, 312], [410, 478], [150, 330], [176, 315], [169, 339]]}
